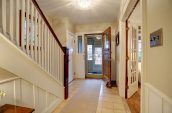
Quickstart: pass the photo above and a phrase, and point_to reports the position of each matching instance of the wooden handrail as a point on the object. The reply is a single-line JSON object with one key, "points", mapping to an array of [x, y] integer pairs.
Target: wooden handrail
{"points": [[66, 73], [49, 26]]}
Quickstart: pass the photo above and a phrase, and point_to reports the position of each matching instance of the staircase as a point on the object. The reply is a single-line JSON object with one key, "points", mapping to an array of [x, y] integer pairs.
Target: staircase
{"points": [[31, 51]]}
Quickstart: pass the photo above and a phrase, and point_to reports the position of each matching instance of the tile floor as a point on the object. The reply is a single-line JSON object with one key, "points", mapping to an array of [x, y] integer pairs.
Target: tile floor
{"points": [[109, 99]]}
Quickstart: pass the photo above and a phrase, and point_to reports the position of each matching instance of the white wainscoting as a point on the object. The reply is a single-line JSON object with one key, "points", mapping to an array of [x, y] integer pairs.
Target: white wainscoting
{"points": [[156, 101], [23, 93]]}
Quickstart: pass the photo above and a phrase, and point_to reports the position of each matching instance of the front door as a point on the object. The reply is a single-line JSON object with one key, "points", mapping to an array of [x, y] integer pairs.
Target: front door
{"points": [[106, 47], [93, 55], [132, 62]]}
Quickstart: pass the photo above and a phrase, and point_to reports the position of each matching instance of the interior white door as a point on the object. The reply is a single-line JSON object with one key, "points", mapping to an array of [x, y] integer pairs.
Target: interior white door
{"points": [[70, 46], [132, 61], [79, 57]]}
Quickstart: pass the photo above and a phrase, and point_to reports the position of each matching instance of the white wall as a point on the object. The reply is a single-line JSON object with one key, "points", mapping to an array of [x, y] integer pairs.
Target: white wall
{"points": [[158, 60], [61, 26], [93, 28], [23, 93]]}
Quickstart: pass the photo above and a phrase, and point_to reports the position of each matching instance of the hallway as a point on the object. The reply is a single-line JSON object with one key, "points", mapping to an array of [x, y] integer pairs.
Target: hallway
{"points": [[108, 100]]}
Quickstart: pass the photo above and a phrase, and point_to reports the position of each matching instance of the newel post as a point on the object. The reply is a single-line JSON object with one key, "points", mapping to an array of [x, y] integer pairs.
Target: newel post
{"points": [[66, 73]]}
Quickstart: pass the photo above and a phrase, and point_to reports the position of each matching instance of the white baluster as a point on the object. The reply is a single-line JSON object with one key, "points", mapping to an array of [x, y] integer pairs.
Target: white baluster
{"points": [[53, 58], [28, 26], [23, 25], [42, 43], [62, 68], [32, 29], [35, 35], [45, 42], [4, 13], [49, 59], [11, 23], [58, 62], [17, 22], [56, 57], [39, 39], [48, 51]]}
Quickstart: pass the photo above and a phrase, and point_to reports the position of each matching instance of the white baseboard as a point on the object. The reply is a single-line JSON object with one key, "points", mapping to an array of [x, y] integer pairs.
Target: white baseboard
{"points": [[53, 106]]}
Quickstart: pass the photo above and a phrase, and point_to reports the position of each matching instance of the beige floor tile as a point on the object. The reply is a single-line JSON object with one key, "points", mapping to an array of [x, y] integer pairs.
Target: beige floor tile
{"points": [[98, 110], [119, 106], [109, 99], [119, 111], [107, 105], [107, 111]]}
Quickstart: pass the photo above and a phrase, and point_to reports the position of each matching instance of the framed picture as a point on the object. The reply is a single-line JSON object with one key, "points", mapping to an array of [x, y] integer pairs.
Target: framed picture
{"points": [[156, 38], [117, 39]]}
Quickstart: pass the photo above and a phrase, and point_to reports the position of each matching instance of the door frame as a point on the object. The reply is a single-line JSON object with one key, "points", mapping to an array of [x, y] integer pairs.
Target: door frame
{"points": [[126, 61], [73, 54], [85, 46]]}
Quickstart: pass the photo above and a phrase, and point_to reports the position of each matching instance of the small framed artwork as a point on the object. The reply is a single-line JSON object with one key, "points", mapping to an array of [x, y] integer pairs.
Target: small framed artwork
{"points": [[117, 39], [156, 38]]}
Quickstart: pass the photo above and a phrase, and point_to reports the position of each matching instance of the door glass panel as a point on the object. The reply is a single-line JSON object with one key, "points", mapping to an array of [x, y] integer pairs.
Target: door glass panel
{"points": [[89, 52], [98, 56], [79, 44]]}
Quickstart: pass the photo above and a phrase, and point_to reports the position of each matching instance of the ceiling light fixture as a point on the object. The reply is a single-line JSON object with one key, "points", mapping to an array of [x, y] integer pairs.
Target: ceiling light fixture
{"points": [[84, 4], [98, 37]]}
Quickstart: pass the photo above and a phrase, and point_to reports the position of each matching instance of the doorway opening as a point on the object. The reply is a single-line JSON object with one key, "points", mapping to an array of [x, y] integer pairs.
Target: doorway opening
{"points": [[93, 53], [133, 58]]}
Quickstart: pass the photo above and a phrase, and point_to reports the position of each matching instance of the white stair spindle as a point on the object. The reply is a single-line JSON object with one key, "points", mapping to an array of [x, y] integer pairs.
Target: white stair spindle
{"points": [[60, 66], [4, 15], [56, 59], [48, 51], [45, 42], [23, 25], [59, 63], [39, 39], [49, 59], [28, 26], [42, 43], [11, 20], [35, 35], [32, 30], [53, 58], [17, 22]]}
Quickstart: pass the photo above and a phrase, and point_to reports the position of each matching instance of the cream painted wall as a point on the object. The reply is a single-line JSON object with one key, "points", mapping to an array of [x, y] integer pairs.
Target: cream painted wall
{"points": [[5, 74], [61, 26], [159, 59], [91, 28]]}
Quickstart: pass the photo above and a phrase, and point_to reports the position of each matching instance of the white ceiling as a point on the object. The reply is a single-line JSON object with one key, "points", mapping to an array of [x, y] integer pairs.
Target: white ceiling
{"points": [[101, 10]]}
